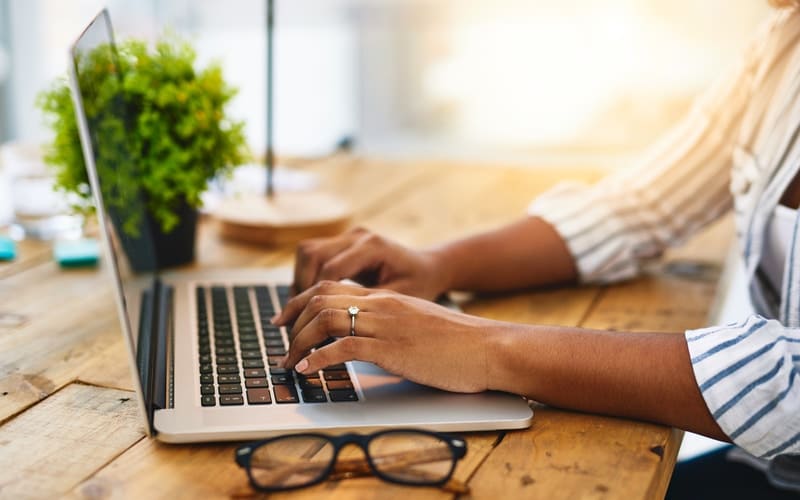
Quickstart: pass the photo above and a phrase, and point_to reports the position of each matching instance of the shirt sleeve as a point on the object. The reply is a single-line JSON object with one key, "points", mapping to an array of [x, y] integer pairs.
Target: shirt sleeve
{"points": [[747, 373], [681, 184]]}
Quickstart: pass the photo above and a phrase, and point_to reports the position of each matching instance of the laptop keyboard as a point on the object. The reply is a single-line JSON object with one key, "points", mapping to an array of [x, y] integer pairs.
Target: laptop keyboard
{"points": [[239, 352]]}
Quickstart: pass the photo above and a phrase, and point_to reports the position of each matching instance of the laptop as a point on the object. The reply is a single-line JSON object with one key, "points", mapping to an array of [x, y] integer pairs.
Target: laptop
{"points": [[202, 351]]}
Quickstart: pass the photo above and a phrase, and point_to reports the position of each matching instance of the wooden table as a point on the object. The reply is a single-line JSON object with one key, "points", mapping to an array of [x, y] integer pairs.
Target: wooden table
{"points": [[69, 425]]}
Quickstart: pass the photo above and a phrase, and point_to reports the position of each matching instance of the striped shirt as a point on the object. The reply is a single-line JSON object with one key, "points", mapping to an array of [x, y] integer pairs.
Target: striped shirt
{"points": [[738, 149]]}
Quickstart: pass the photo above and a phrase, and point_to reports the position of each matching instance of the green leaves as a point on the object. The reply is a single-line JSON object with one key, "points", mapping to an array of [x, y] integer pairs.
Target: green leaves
{"points": [[159, 127]]}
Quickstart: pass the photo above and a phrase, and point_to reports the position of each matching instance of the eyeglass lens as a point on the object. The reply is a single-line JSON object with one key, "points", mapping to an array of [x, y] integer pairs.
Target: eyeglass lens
{"points": [[411, 457], [291, 461]]}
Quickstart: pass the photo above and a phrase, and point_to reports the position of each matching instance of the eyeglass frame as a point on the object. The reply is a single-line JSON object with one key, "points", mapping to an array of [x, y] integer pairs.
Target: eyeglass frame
{"points": [[244, 455]]}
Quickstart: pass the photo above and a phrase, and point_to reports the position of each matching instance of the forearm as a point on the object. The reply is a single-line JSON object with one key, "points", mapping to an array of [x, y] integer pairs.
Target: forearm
{"points": [[523, 254], [646, 376]]}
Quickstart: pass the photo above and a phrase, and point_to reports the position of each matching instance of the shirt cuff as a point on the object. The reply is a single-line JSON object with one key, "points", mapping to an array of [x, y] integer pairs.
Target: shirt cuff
{"points": [[594, 237], [746, 375]]}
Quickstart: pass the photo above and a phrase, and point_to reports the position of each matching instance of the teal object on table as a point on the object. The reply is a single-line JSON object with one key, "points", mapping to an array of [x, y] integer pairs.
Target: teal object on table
{"points": [[8, 249], [77, 253]]}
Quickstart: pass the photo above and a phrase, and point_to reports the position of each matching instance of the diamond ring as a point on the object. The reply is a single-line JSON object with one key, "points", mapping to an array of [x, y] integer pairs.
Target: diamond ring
{"points": [[353, 312]]}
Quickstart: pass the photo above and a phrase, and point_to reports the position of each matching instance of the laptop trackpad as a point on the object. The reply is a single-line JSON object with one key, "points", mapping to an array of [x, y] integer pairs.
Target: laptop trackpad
{"points": [[377, 384]]}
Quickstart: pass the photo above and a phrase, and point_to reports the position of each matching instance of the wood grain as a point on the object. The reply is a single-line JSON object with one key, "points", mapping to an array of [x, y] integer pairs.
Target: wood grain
{"points": [[70, 320], [72, 334], [29, 253], [67, 437], [571, 455]]}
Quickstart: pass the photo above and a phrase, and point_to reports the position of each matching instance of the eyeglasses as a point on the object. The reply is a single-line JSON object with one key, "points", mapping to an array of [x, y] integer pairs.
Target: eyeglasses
{"points": [[403, 456]]}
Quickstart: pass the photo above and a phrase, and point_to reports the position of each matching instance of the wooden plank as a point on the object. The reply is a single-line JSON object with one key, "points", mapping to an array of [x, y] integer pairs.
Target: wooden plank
{"points": [[154, 470], [571, 455], [46, 451], [29, 253], [419, 204], [463, 200], [69, 322]]}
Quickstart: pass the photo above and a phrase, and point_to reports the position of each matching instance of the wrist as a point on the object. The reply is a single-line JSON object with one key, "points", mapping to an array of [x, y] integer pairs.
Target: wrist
{"points": [[441, 268], [500, 346]]}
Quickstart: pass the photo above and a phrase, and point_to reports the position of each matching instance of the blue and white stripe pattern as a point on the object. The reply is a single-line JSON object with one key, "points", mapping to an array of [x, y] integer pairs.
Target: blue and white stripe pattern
{"points": [[738, 149]]}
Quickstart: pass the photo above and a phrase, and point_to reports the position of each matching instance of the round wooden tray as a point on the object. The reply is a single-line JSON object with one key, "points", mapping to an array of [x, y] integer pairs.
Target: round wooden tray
{"points": [[284, 218]]}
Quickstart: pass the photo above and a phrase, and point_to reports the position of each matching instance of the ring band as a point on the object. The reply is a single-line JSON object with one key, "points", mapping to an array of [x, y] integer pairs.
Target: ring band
{"points": [[353, 312]]}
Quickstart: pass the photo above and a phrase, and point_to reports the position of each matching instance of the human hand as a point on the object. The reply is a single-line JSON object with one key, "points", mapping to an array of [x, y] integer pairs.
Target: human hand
{"points": [[414, 338], [371, 260]]}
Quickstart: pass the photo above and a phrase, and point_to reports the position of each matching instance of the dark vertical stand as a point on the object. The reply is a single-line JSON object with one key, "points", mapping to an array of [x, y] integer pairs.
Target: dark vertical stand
{"points": [[270, 37]]}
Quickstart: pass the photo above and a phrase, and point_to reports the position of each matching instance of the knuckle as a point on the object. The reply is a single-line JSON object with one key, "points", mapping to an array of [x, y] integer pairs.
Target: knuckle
{"points": [[316, 303], [373, 239], [327, 318], [306, 248], [388, 300], [325, 286]]}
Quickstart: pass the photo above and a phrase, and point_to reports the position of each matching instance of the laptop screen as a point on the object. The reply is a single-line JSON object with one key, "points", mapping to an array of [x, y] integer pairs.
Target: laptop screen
{"points": [[105, 119]]}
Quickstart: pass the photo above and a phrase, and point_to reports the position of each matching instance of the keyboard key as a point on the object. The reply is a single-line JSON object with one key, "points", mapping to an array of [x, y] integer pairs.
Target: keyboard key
{"points": [[283, 294], [225, 351], [285, 394], [282, 379], [253, 363], [225, 342], [314, 375], [255, 373], [207, 378], [274, 370], [206, 389], [227, 369], [230, 389], [273, 342], [270, 328], [205, 349], [229, 379], [226, 360], [208, 401], [335, 385], [259, 396], [275, 361], [249, 346], [311, 383], [314, 395], [345, 395], [337, 375], [231, 399], [276, 351], [333, 368], [251, 354], [206, 368], [255, 382]]}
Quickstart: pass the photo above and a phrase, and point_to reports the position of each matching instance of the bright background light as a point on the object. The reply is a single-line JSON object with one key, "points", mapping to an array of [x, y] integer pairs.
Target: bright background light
{"points": [[483, 79]]}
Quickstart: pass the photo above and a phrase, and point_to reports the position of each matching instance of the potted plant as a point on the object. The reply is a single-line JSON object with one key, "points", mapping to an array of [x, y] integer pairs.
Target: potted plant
{"points": [[169, 140]]}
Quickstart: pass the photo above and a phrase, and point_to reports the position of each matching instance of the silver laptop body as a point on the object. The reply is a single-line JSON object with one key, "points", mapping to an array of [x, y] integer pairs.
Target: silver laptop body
{"points": [[180, 342]]}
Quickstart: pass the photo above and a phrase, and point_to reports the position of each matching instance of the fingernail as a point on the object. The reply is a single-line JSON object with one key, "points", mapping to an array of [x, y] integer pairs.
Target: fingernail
{"points": [[275, 318], [301, 365]]}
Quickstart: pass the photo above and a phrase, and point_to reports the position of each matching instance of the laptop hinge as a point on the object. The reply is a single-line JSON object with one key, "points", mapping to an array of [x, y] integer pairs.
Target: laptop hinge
{"points": [[151, 352]]}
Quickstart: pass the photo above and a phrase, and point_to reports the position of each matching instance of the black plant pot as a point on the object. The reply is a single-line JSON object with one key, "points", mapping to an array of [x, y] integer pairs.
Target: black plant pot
{"points": [[153, 249]]}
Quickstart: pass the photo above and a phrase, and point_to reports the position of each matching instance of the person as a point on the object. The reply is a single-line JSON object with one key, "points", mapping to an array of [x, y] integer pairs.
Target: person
{"points": [[737, 150]]}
